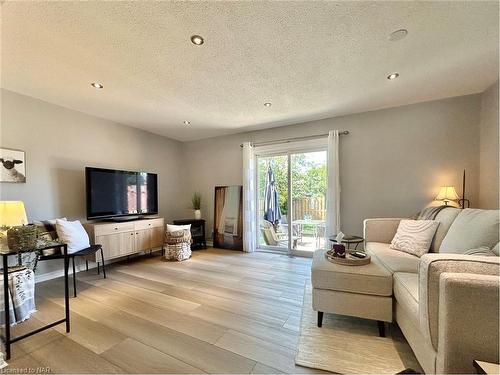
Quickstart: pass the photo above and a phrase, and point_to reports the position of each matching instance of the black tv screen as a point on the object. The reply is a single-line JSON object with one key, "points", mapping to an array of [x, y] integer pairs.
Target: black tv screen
{"points": [[113, 193]]}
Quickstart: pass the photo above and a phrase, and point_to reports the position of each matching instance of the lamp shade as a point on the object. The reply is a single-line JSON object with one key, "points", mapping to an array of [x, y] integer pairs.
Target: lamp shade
{"points": [[12, 213], [447, 193]]}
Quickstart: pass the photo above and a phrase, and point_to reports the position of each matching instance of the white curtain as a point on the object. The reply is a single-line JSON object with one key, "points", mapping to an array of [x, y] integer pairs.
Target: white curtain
{"points": [[249, 213], [333, 191]]}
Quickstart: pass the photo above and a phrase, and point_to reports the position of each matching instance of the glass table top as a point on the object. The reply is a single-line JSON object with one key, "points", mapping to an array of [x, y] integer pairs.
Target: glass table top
{"points": [[40, 245]]}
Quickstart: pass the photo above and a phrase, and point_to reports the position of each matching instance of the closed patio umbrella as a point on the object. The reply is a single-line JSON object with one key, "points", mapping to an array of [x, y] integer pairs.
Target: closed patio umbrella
{"points": [[272, 212]]}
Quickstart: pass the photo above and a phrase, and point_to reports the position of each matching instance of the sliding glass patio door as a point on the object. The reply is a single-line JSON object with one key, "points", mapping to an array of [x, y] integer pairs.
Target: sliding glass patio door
{"points": [[308, 201], [291, 200], [272, 184]]}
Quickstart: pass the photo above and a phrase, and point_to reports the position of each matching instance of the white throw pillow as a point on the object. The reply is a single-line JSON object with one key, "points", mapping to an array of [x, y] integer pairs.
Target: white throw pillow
{"points": [[175, 228], [473, 228], [414, 236], [73, 234]]}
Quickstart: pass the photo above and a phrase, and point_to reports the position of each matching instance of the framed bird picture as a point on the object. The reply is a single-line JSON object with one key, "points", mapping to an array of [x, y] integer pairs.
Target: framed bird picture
{"points": [[12, 165]]}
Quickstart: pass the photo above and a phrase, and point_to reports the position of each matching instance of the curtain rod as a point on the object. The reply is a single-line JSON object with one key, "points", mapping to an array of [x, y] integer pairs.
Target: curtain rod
{"points": [[345, 132]]}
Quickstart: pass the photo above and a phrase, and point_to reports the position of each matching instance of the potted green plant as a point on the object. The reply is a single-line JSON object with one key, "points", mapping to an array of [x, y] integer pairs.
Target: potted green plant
{"points": [[196, 204]]}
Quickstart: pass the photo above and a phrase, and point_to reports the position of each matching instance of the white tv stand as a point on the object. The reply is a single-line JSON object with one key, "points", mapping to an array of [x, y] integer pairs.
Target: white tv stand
{"points": [[126, 238]]}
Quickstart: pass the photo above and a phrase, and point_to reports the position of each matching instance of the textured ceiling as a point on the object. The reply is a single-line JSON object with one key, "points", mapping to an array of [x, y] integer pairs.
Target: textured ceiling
{"points": [[312, 60]]}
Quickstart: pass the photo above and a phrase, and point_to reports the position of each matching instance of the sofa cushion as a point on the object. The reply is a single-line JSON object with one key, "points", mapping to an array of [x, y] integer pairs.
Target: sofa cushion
{"points": [[393, 260], [445, 217], [483, 250], [406, 293], [380, 230], [371, 278], [496, 249], [471, 229]]}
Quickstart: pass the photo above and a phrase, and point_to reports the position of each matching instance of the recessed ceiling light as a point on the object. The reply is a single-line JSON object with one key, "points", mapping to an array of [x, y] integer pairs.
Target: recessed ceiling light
{"points": [[267, 104], [186, 122], [198, 40], [398, 35], [96, 85], [393, 76]]}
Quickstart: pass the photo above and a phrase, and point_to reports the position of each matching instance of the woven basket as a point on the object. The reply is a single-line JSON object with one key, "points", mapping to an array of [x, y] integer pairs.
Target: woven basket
{"points": [[180, 251], [22, 237], [173, 238]]}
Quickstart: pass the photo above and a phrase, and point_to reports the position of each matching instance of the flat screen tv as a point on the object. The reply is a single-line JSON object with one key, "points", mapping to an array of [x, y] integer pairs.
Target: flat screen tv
{"points": [[120, 194]]}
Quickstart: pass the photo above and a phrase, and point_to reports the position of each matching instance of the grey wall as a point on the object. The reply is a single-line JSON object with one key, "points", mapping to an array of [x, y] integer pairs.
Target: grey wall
{"points": [[393, 162], [59, 143], [488, 156]]}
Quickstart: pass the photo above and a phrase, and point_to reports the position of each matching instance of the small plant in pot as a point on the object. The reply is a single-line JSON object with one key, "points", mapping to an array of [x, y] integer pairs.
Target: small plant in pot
{"points": [[196, 203]]}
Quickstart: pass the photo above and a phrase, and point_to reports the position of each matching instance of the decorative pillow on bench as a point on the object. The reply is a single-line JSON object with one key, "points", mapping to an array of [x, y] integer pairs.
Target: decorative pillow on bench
{"points": [[46, 229], [73, 234], [414, 236]]}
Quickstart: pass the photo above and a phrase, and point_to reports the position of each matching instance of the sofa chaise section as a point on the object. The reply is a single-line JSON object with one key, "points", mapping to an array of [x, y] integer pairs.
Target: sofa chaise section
{"points": [[459, 305], [445, 304]]}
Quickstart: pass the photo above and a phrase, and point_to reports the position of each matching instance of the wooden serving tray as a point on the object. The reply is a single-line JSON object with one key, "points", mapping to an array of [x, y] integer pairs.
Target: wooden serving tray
{"points": [[349, 260]]}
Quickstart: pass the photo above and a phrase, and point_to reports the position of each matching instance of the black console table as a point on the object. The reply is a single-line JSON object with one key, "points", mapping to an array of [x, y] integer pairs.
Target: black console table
{"points": [[5, 253], [197, 231]]}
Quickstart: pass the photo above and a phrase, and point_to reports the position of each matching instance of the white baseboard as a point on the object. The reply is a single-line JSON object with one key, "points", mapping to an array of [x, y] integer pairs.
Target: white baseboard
{"points": [[60, 273], [210, 243], [39, 278]]}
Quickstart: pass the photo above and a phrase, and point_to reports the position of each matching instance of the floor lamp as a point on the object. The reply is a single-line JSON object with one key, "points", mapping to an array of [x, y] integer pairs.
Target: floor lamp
{"points": [[462, 201]]}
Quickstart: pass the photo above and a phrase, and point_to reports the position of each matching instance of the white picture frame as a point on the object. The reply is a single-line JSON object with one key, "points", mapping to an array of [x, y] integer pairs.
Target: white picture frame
{"points": [[12, 165]]}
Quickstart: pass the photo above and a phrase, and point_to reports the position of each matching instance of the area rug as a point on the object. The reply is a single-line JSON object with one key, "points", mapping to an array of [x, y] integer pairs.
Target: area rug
{"points": [[348, 345]]}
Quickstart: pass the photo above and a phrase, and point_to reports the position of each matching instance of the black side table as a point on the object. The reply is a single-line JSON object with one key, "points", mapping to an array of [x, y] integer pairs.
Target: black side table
{"points": [[5, 253], [197, 232], [350, 239]]}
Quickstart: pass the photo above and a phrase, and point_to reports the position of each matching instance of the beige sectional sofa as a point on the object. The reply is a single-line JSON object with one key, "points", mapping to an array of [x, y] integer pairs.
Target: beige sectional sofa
{"points": [[446, 303]]}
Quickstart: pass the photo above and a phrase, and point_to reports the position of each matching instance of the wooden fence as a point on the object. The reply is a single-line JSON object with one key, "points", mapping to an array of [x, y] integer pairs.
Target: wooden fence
{"points": [[313, 208]]}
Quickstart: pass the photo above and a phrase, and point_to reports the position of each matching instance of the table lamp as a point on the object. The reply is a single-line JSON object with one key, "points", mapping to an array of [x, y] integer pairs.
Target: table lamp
{"points": [[447, 194], [12, 213]]}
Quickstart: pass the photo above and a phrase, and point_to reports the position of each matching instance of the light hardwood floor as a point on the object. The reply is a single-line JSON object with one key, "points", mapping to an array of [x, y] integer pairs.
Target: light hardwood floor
{"points": [[220, 312]]}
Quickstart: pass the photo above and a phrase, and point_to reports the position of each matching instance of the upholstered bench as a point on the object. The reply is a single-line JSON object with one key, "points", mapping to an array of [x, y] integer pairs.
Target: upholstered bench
{"points": [[361, 291]]}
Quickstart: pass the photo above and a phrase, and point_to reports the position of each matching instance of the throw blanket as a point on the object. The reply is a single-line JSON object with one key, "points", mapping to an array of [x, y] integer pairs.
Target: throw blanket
{"points": [[2, 308], [21, 294], [429, 213]]}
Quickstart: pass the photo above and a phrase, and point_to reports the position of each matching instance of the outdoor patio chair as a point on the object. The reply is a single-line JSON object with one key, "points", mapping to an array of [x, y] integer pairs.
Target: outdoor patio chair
{"points": [[273, 237], [320, 233], [296, 228]]}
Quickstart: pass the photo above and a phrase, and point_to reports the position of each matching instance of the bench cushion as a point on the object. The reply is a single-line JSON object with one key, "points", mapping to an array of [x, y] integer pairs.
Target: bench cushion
{"points": [[371, 279]]}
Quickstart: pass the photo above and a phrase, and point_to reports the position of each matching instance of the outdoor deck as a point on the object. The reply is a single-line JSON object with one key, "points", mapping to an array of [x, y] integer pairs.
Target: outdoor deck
{"points": [[306, 243]]}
